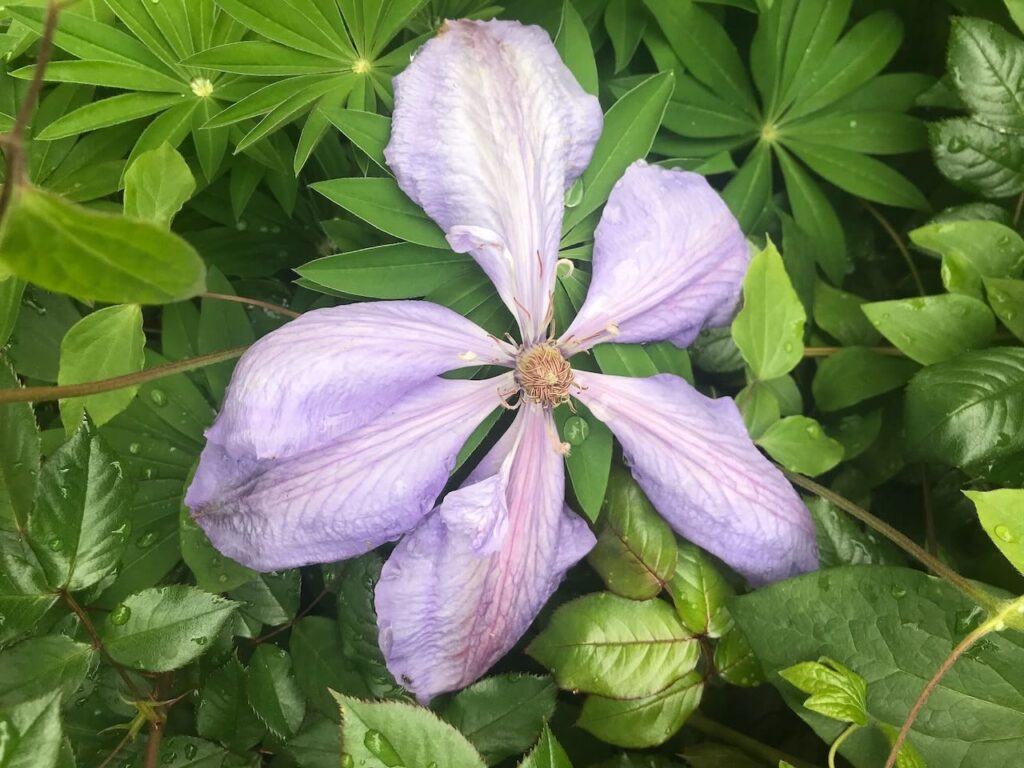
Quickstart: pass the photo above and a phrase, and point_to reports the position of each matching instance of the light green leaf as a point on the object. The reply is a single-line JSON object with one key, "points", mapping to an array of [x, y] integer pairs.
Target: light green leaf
{"points": [[367, 130], [1006, 297], [113, 110], [699, 593], [759, 407], [836, 692], [856, 374], [931, 329], [96, 256], [273, 692], [19, 456], [381, 734], [573, 44], [642, 723], [157, 184], [972, 250], [635, 553], [769, 330], [1002, 516], [37, 739], [547, 754], [801, 445], [164, 628], [611, 646]]}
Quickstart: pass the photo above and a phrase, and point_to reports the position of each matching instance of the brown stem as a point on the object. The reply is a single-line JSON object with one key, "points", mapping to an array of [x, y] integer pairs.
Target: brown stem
{"points": [[275, 308], [829, 351], [291, 623], [117, 750], [894, 235], [42, 394], [156, 735], [939, 568]]}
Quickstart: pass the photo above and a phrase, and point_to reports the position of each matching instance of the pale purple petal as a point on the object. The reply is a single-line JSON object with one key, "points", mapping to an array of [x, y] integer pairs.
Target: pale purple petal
{"points": [[669, 260], [489, 130], [343, 499], [459, 591], [333, 370], [694, 460]]}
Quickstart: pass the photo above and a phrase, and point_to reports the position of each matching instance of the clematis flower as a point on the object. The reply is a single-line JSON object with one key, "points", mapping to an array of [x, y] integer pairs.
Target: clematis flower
{"points": [[338, 433]]}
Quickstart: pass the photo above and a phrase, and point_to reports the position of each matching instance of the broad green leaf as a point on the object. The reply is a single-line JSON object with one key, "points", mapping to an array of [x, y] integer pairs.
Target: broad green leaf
{"points": [[894, 627], [801, 445], [224, 712], [157, 184], [735, 661], [856, 374], [380, 203], [79, 524], [629, 129], [968, 411], [270, 598], [635, 553], [34, 347], [986, 65], [19, 456], [380, 734], [1006, 297], [1002, 516], [367, 130], [699, 593], [769, 330], [844, 541], [164, 628], [101, 345], [647, 722], [273, 693], [987, 248], [547, 754], [214, 571], [931, 329], [96, 256], [836, 692], [397, 271], [611, 646], [502, 716], [573, 44], [590, 456], [190, 752], [318, 745], [840, 315], [43, 665], [357, 624], [24, 595], [320, 664], [11, 291], [32, 735], [856, 432], [978, 158], [759, 407]]}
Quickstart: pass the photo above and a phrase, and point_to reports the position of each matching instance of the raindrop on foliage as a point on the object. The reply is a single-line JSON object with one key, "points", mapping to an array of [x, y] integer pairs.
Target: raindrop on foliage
{"points": [[120, 615]]}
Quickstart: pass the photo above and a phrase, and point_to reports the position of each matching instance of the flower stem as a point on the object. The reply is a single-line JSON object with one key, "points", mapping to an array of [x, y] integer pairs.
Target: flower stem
{"points": [[744, 743], [899, 245], [829, 351], [905, 543], [275, 308], [42, 394], [834, 749]]}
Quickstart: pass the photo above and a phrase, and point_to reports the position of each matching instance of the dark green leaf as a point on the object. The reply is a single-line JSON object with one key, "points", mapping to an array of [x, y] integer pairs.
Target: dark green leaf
{"points": [[839, 313], [357, 624], [43, 665], [223, 713], [1006, 297], [699, 593], [273, 692], [986, 65], [270, 598], [856, 374], [978, 158], [19, 456], [933, 328], [590, 456], [37, 738]]}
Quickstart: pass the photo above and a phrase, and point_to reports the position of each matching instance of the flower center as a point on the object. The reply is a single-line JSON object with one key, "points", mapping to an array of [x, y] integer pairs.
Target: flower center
{"points": [[201, 87], [544, 375]]}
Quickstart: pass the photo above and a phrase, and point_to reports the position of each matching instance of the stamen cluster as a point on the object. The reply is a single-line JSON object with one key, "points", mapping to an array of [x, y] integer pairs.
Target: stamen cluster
{"points": [[544, 375]]}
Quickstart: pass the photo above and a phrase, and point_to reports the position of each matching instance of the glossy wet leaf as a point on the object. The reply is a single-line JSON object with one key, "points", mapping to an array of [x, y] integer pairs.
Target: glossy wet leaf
{"points": [[801, 445], [1001, 513], [699, 593], [932, 329], [43, 665]]}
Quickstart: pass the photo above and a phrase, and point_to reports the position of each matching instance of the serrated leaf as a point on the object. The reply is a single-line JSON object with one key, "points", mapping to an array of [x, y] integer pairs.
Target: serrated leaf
{"points": [[24, 595], [163, 628], [856, 374], [801, 445], [223, 713], [932, 329], [102, 345], [769, 330], [19, 456], [270, 598], [37, 734], [357, 624], [320, 664], [611, 646], [43, 665], [641, 723], [986, 65], [977, 158], [836, 692], [699, 593], [79, 524], [1001, 513], [635, 553], [383, 734], [96, 256], [273, 693], [190, 752], [502, 716], [547, 754], [157, 184]]}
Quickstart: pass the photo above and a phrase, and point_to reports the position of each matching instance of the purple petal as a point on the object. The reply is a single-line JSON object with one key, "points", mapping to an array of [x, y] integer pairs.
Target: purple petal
{"points": [[333, 370], [343, 499], [489, 130], [694, 460], [669, 259], [459, 592]]}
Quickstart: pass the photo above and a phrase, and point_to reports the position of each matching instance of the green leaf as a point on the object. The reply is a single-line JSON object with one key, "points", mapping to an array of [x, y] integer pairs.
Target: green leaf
{"points": [[647, 722], [759, 407], [214, 572], [547, 754], [270, 598], [769, 330], [273, 693], [19, 456], [968, 411], [367, 130], [871, 132], [635, 553], [224, 713], [222, 325], [380, 203], [96, 256], [735, 661], [190, 752], [318, 745], [24, 595], [379, 734], [1006, 297], [977, 158], [894, 627], [699, 593], [397, 271], [101, 345], [157, 184], [629, 130], [32, 737], [1002, 516], [836, 692], [611, 646], [801, 445], [256, 57], [290, 26], [502, 716], [320, 663], [840, 315], [590, 456], [931, 329], [164, 628], [105, 113], [986, 65], [11, 291], [357, 625], [971, 251], [43, 665], [843, 541], [625, 21], [79, 524], [856, 374], [748, 192], [573, 44]]}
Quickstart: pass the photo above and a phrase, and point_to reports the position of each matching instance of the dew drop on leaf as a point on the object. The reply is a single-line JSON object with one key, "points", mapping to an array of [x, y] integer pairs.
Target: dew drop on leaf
{"points": [[56, 544], [120, 615], [190, 751], [159, 397], [381, 748], [134, 449], [1003, 533]]}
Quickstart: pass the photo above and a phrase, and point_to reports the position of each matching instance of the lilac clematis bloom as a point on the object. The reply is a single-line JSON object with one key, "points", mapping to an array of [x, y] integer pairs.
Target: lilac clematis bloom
{"points": [[338, 433]]}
